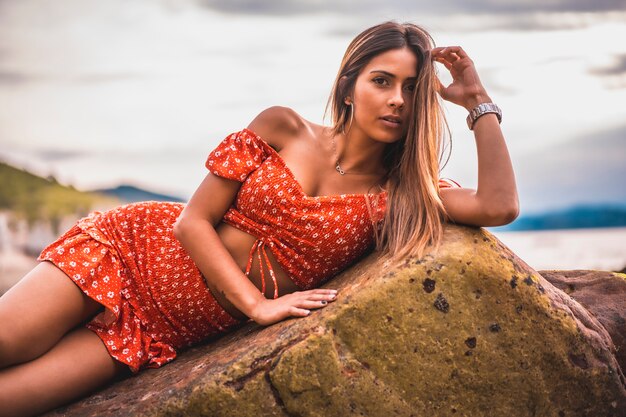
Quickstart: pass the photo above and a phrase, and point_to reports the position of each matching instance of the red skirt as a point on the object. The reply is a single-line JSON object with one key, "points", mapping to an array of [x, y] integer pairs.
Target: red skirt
{"points": [[155, 299]]}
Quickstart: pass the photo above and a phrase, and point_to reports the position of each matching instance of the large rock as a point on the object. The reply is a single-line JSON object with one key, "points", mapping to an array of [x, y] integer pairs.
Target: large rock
{"points": [[470, 330], [603, 294]]}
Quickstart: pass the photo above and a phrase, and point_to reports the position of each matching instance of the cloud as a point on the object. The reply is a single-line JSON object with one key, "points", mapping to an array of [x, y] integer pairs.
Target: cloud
{"points": [[482, 15], [527, 20], [16, 77], [614, 75], [355, 7], [8, 77], [53, 155], [99, 78], [540, 6], [619, 68]]}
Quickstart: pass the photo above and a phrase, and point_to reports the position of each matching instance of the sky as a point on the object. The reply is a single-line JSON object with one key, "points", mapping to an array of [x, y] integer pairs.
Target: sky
{"points": [[103, 92]]}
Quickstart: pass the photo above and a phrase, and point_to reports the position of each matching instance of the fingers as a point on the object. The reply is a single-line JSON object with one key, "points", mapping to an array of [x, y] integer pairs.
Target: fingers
{"points": [[318, 294], [303, 307], [312, 299], [316, 298], [449, 55], [445, 63], [313, 304], [455, 52], [299, 312], [320, 291], [319, 297]]}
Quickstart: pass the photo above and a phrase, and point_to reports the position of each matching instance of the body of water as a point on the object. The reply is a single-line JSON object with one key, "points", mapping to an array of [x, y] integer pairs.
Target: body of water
{"points": [[599, 249]]}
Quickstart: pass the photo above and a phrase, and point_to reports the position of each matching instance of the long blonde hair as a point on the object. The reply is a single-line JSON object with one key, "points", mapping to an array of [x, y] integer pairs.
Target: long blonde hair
{"points": [[414, 213]]}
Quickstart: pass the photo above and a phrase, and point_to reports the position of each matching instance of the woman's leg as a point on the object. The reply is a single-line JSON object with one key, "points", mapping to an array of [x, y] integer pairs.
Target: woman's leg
{"points": [[77, 365], [38, 311]]}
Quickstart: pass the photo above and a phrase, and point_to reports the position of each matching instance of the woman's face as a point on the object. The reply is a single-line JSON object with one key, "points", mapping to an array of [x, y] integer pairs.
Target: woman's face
{"points": [[383, 95]]}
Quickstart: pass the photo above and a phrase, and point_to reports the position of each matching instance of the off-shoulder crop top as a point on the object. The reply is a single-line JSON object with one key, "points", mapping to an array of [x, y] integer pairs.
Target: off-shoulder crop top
{"points": [[312, 238]]}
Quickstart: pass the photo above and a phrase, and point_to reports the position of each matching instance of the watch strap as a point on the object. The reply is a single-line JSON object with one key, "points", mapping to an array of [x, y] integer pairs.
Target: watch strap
{"points": [[480, 110]]}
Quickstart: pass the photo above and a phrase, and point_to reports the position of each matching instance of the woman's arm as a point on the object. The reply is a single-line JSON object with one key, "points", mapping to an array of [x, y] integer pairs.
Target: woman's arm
{"points": [[195, 229], [495, 202]]}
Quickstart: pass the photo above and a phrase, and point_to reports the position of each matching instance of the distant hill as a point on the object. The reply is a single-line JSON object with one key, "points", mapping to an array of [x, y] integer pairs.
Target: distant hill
{"points": [[34, 198], [130, 194], [578, 217]]}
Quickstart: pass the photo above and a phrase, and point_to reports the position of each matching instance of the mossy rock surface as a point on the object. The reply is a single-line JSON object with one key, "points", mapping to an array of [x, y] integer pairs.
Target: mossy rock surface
{"points": [[468, 331]]}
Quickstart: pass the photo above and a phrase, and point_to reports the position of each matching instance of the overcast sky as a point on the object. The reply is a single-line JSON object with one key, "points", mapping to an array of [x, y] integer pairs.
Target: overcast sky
{"points": [[105, 92]]}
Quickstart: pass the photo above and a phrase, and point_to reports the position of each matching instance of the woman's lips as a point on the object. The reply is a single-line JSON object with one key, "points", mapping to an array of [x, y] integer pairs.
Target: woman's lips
{"points": [[390, 123]]}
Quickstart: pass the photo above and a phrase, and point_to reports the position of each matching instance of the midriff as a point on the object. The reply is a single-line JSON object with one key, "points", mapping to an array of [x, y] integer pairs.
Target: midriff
{"points": [[238, 243]]}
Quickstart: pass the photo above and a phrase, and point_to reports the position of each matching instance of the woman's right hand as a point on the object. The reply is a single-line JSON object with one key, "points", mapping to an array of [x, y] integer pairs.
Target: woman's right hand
{"points": [[296, 304]]}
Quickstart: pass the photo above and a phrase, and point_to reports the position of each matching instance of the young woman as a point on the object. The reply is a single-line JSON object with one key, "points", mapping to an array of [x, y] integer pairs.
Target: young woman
{"points": [[286, 205]]}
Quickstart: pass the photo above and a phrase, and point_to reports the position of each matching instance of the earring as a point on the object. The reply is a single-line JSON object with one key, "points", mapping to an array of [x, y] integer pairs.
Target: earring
{"points": [[343, 130]]}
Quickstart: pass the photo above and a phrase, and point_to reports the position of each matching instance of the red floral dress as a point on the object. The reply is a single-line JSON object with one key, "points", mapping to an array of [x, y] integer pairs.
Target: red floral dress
{"points": [[312, 238], [155, 299]]}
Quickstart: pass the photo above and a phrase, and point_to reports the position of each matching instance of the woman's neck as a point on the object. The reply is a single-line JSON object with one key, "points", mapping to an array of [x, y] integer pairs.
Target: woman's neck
{"points": [[359, 154]]}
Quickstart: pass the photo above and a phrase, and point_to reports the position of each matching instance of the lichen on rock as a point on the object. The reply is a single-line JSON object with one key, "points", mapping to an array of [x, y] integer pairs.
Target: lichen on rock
{"points": [[468, 330]]}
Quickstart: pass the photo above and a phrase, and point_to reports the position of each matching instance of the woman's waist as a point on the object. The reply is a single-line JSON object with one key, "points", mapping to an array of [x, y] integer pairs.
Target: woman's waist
{"points": [[299, 261], [239, 244]]}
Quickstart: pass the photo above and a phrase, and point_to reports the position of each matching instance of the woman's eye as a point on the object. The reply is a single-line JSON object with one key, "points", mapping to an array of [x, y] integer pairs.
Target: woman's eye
{"points": [[383, 81], [379, 81]]}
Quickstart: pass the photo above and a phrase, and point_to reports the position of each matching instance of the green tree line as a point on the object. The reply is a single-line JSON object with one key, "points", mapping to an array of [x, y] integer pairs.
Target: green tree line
{"points": [[34, 198]]}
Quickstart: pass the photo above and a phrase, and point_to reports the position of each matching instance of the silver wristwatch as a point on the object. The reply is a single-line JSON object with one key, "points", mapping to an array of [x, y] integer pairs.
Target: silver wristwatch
{"points": [[481, 109]]}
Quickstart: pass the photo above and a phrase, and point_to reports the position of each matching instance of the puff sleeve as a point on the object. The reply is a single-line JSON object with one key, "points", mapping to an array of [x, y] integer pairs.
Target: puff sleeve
{"points": [[237, 155], [448, 183]]}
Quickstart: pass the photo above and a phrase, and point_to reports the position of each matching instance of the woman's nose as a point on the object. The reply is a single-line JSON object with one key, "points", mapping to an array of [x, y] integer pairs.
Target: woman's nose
{"points": [[396, 99]]}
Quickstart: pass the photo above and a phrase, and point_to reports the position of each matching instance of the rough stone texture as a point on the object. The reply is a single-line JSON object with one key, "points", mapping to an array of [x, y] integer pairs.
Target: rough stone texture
{"points": [[603, 293], [468, 331]]}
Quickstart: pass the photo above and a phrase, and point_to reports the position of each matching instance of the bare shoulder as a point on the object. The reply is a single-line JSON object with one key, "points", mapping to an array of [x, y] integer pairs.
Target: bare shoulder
{"points": [[277, 125]]}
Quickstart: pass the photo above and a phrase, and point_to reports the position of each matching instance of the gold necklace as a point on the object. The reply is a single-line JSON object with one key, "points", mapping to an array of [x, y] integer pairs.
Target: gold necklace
{"points": [[337, 166]]}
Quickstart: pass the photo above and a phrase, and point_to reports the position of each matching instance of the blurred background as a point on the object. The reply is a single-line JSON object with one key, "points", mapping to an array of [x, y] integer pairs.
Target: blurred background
{"points": [[127, 98]]}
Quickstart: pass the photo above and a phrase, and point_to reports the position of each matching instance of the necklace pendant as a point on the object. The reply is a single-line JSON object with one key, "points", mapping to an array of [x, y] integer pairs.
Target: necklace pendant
{"points": [[339, 170]]}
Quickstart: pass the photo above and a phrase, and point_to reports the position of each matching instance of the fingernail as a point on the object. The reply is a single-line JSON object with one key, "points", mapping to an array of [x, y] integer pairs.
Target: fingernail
{"points": [[324, 302], [333, 296]]}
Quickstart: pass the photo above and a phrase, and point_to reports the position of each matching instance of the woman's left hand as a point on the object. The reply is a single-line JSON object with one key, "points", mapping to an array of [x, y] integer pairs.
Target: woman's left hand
{"points": [[466, 89]]}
